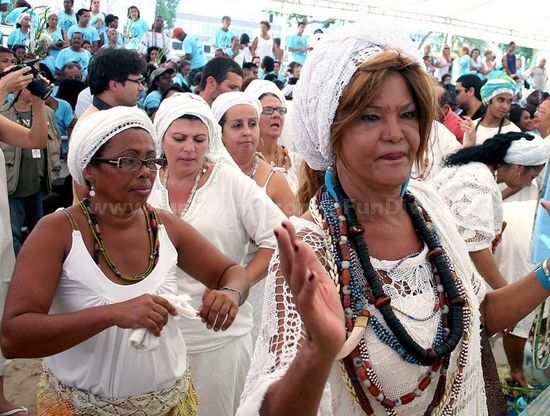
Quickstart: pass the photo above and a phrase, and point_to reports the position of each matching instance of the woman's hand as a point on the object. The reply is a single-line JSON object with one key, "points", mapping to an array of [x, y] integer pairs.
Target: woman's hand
{"points": [[16, 80], [283, 160], [315, 295], [546, 205], [219, 308], [145, 311], [469, 129]]}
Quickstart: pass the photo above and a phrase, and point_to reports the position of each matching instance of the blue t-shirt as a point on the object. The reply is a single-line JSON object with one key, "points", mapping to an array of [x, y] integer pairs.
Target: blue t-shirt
{"points": [[297, 41], [65, 21], [463, 65], [69, 55], [193, 46], [56, 36], [222, 39], [136, 29], [89, 33], [93, 20], [18, 38], [63, 116], [12, 16], [152, 100]]}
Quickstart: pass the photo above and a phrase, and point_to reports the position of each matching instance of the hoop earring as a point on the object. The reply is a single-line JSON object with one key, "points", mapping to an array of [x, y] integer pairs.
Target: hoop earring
{"points": [[92, 190]]}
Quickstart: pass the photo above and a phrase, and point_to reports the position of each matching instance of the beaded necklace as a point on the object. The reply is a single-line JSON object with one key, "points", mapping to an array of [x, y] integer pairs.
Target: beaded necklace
{"points": [[202, 171], [254, 168], [99, 247], [357, 368]]}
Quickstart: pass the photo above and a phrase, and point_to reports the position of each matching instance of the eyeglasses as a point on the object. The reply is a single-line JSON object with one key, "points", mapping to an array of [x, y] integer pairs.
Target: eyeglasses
{"points": [[140, 81], [132, 164], [458, 91], [269, 110], [446, 48]]}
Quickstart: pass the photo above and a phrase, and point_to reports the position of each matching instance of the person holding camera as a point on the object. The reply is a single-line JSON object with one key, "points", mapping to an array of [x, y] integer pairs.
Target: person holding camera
{"points": [[16, 135], [57, 34]]}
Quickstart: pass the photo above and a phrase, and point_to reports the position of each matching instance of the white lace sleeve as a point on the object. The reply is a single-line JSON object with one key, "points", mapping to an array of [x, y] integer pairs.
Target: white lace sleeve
{"points": [[475, 201], [281, 333]]}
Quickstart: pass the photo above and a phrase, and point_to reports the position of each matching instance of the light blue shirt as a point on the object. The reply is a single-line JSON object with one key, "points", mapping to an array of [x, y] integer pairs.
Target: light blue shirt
{"points": [[89, 33], [223, 39], [63, 116], [152, 100], [136, 28], [69, 55], [56, 36], [93, 20], [463, 65], [297, 41], [65, 21], [193, 46], [18, 38]]}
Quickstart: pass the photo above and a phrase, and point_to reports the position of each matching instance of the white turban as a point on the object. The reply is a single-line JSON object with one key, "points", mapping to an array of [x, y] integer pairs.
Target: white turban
{"points": [[528, 152], [230, 99], [259, 87], [21, 17], [98, 128], [181, 104], [326, 71]]}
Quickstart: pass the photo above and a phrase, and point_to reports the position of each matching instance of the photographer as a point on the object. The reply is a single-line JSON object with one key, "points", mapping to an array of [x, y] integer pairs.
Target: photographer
{"points": [[13, 134]]}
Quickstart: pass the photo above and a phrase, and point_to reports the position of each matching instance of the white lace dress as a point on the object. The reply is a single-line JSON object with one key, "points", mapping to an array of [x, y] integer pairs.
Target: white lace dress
{"points": [[472, 194], [397, 377]]}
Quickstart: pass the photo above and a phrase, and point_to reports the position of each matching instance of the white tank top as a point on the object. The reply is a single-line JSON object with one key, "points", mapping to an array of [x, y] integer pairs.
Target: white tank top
{"points": [[105, 365], [264, 47]]}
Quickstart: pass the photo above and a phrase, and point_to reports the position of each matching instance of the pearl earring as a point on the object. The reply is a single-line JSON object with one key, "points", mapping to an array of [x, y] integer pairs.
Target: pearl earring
{"points": [[92, 190]]}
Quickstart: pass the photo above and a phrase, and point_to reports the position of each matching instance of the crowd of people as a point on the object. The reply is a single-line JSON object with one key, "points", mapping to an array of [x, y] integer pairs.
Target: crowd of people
{"points": [[343, 238]]}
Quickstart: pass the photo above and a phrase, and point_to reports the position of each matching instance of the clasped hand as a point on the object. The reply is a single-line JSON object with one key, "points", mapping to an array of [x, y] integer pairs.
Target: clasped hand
{"points": [[219, 309]]}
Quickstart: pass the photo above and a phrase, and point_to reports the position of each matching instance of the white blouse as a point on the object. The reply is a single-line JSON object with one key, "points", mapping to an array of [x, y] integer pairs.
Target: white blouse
{"points": [[228, 210]]}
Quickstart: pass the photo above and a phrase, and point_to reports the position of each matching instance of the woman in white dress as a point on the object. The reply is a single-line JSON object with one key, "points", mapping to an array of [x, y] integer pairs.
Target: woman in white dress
{"points": [[100, 312], [203, 186], [354, 297], [262, 45], [272, 121]]}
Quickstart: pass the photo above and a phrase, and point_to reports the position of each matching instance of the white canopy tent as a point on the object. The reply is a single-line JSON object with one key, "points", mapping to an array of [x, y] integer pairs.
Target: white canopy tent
{"points": [[528, 24]]}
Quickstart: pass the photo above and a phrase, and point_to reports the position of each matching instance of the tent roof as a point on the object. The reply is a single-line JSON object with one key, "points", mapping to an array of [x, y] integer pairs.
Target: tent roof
{"points": [[503, 20]]}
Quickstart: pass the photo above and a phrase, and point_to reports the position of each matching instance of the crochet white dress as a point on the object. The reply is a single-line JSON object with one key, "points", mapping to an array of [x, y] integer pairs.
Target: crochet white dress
{"points": [[397, 377]]}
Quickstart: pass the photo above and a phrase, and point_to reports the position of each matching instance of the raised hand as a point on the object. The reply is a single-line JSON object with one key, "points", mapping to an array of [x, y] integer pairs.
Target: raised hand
{"points": [[315, 295], [145, 311], [219, 308]]}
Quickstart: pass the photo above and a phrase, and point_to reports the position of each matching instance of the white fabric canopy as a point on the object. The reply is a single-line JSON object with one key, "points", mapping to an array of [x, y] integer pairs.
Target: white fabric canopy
{"points": [[492, 20]]}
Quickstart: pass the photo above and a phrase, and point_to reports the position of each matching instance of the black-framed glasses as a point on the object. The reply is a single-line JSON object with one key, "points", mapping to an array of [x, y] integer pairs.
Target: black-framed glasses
{"points": [[140, 81], [132, 164], [269, 110]]}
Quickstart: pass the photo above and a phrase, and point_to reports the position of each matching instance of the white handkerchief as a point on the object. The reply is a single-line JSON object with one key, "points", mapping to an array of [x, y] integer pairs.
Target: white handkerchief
{"points": [[144, 340]]}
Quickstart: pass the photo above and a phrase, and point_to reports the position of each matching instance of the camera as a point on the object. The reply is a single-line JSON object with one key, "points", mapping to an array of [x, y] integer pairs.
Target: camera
{"points": [[36, 86], [59, 43]]}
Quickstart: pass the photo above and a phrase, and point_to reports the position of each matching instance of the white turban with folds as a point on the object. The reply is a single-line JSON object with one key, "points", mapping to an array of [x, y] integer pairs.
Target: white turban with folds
{"points": [[525, 152], [98, 128], [230, 99], [326, 72], [259, 87]]}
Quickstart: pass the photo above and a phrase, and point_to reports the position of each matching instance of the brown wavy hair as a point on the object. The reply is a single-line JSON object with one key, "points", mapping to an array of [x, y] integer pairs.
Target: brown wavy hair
{"points": [[360, 92]]}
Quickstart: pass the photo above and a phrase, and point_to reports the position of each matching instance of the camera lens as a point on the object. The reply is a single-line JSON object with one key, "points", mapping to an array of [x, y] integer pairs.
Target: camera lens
{"points": [[39, 88]]}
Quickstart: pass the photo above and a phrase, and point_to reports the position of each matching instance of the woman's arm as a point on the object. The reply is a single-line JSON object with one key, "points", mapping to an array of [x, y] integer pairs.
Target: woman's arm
{"points": [[257, 268], [279, 191], [487, 268], [254, 46], [504, 307], [28, 330]]}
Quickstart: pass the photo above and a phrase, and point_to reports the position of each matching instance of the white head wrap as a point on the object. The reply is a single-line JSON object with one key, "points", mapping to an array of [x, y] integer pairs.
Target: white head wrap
{"points": [[259, 87], [21, 17], [528, 152], [230, 99], [326, 71], [98, 128], [181, 104]]}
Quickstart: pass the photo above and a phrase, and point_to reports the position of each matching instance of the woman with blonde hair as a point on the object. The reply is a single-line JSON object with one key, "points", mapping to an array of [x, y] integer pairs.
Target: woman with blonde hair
{"points": [[372, 304]]}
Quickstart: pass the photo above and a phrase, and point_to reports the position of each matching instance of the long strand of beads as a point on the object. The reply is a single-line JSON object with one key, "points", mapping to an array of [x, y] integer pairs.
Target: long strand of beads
{"points": [[99, 246]]}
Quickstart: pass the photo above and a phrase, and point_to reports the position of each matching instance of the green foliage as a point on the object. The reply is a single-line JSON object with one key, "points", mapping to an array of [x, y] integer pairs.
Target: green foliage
{"points": [[294, 18], [167, 9]]}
